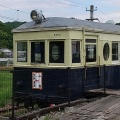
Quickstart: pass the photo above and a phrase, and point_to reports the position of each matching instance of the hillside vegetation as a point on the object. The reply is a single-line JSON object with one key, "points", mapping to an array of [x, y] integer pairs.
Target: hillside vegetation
{"points": [[6, 37]]}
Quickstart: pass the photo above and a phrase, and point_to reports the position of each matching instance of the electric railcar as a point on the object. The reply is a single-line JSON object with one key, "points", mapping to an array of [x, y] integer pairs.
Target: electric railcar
{"points": [[59, 58]]}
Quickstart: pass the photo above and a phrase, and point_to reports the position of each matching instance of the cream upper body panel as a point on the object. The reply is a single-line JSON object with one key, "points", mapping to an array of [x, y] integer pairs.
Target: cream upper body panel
{"points": [[67, 30]]}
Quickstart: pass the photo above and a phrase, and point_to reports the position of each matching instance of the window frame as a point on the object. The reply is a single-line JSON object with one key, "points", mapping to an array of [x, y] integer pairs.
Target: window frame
{"points": [[91, 41], [38, 41], [49, 53], [17, 51], [116, 61], [76, 40]]}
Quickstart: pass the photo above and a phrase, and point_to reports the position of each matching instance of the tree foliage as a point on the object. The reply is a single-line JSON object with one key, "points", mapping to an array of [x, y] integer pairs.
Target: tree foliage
{"points": [[6, 37]]}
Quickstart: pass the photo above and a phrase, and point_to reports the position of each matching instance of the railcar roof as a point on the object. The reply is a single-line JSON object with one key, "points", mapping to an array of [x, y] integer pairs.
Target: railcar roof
{"points": [[58, 22]]}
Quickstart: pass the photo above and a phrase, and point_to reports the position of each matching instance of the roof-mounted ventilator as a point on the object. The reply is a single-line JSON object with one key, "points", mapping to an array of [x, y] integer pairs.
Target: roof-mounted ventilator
{"points": [[37, 16]]}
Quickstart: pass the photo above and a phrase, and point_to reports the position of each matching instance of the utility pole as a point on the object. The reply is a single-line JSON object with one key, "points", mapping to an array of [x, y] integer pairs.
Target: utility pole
{"points": [[91, 13]]}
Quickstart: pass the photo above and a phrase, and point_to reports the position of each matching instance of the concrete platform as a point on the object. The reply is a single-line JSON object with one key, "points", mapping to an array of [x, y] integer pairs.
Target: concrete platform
{"points": [[107, 108], [107, 91]]}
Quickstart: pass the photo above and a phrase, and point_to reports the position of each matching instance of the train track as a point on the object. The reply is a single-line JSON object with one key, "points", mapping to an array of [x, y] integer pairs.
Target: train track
{"points": [[37, 113], [34, 114]]}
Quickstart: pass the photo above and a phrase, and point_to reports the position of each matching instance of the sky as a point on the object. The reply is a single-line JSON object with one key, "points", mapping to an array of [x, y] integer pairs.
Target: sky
{"points": [[19, 10]]}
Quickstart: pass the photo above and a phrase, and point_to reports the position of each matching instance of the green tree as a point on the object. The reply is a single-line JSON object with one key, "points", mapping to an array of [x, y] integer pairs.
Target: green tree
{"points": [[6, 36]]}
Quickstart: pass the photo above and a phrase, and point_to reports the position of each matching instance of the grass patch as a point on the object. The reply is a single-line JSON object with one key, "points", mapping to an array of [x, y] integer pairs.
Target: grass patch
{"points": [[5, 87], [48, 118], [6, 68]]}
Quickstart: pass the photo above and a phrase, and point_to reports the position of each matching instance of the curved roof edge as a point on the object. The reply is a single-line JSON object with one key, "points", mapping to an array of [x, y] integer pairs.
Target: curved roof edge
{"points": [[58, 23]]}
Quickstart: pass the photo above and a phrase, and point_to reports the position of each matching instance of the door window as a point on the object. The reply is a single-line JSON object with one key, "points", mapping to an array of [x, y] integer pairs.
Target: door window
{"points": [[90, 50], [75, 51]]}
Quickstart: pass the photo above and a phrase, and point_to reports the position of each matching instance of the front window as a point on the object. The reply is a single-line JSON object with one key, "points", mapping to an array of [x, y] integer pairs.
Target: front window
{"points": [[37, 52], [21, 51], [90, 50], [114, 51], [75, 51], [56, 52]]}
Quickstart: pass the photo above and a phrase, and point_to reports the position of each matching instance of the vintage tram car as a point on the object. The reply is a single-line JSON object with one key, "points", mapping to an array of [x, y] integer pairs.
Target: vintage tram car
{"points": [[59, 58]]}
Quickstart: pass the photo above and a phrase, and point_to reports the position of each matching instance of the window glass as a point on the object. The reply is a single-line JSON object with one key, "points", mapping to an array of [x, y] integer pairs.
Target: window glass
{"points": [[90, 40], [21, 51], [114, 51], [56, 52], [37, 52], [75, 51], [106, 51], [90, 53]]}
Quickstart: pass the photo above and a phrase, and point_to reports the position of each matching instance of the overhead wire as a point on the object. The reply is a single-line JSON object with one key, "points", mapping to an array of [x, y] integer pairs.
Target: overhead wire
{"points": [[84, 5], [69, 4], [6, 17], [65, 3], [104, 13], [72, 3], [10, 18], [13, 9], [76, 4]]}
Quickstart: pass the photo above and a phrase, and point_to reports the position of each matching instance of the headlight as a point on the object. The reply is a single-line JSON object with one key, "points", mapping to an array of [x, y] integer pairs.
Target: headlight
{"points": [[36, 16]]}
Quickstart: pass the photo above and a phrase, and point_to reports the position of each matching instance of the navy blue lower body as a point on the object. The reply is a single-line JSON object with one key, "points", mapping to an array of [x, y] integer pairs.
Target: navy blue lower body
{"points": [[60, 85]]}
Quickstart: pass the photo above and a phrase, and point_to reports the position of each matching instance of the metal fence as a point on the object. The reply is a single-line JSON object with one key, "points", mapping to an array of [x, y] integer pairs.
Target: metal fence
{"points": [[57, 86], [5, 93]]}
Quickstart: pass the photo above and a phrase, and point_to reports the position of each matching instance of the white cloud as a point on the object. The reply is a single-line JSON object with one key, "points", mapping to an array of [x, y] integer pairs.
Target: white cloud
{"points": [[30, 4], [62, 8], [109, 2], [115, 16], [47, 6]]}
